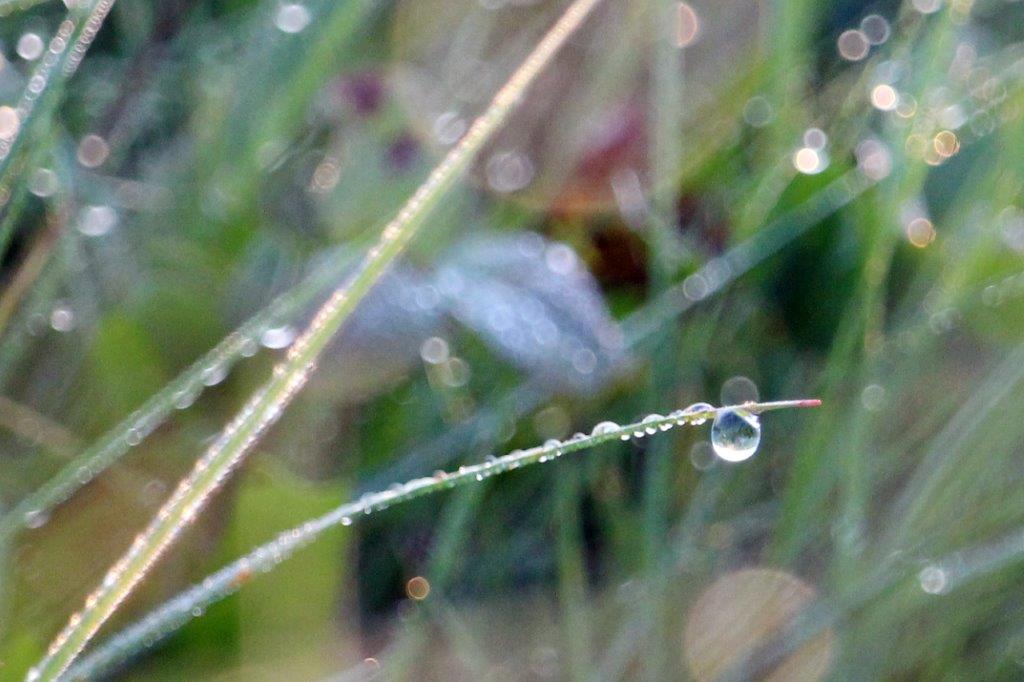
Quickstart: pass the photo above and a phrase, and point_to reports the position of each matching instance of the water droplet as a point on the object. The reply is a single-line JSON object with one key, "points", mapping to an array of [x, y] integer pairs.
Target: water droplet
{"points": [[449, 127], [927, 6], [434, 350], [96, 221], [697, 408], [133, 437], [735, 435], [214, 374], [687, 27], [815, 138], [758, 112], [292, 18], [44, 182], [509, 171], [875, 28], [93, 150], [739, 390], [10, 122], [873, 397], [853, 45], [560, 259], [185, 398], [278, 337], [62, 319], [456, 373], [36, 518], [604, 428], [932, 579], [650, 419], [810, 161], [30, 46]]}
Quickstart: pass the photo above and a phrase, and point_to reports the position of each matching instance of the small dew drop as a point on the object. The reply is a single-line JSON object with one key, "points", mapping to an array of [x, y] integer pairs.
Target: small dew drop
{"points": [[735, 435], [92, 151], [815, 138], [649, 420], [10, 122], [920, 232], [875, 28], [96, 221], [62, 318], [292, 18], [932, 579], [738, 390], [434, 351], [810, 161], [417, 588], [853, 45], [30, 46], [509, 171], [604, 428], [249, 348], [43, 182], [36, 518], [927, 6], [455, 373], [449, 127], [214, 374], [697, 408], [687, 25], [873, 159], [186, 397], [278, 337], [560, 259], [873, 397], [758, 112], [884, 97]]}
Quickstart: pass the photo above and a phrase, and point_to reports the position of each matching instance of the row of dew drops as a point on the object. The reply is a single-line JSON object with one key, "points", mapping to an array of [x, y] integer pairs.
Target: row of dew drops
{"points": [[735, 436], [210, 371]]}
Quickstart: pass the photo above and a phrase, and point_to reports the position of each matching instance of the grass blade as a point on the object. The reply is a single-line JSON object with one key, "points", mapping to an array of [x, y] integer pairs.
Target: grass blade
{"points": [[60, 61], [672, 303], [177, 394], [266, 405], [179, 610]]}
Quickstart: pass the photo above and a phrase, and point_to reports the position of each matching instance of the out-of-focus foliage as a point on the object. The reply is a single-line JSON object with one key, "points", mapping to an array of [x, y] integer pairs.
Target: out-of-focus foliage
{"points": [[822, 198]]}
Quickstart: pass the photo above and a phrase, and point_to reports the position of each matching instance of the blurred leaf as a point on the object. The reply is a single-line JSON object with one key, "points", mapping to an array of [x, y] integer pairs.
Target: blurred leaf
{"points": [[536, 305]]}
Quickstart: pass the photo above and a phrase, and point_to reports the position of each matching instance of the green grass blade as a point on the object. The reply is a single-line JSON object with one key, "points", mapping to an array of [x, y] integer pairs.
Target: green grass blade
{"points": [[266, 405], [60, 61], [180, 392], [179, 610]]}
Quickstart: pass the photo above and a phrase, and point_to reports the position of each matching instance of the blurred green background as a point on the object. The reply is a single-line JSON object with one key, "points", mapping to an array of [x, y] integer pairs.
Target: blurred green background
{"points": [[705, 201]]}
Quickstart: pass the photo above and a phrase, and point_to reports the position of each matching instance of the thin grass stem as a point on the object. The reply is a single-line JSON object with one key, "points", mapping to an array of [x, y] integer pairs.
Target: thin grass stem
{"points": [[179, 393], [60, 61], [289, 376], [193, 601]]}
